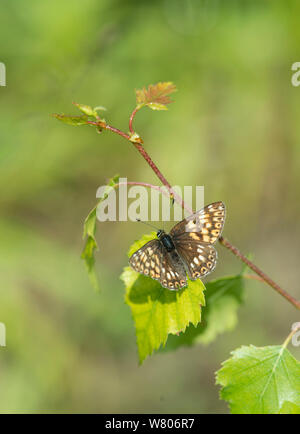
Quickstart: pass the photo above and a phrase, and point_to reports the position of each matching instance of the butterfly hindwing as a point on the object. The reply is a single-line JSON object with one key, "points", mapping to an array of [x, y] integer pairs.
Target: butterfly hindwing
{"points": [[173, 274], [200, 258]]}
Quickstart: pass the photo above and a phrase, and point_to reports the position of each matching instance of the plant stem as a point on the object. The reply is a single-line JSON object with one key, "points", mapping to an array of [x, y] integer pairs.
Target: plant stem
{"points": [[147, 158], [293, 332], [253, 276], [144, 184], [260, 273], [132, 117], [180, 201]]}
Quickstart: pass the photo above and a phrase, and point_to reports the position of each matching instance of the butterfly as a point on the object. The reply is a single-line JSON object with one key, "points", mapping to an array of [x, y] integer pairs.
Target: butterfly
{"points": [[188, 248]]}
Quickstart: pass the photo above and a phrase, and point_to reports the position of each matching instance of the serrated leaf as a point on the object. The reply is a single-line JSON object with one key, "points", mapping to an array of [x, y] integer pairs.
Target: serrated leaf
{"points": [[89, 231], [223, 298], [155, 96], [72, 120], [157, 311], [262, 380]]}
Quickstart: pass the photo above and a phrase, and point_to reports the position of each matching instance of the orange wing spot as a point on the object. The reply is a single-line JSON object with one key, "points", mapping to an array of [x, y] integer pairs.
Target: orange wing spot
{"points": [[194, 236]]}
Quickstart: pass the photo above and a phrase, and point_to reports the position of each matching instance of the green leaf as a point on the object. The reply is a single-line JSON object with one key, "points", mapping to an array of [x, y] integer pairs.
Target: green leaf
{"points": [[88, 256], [156, 96], [89, 227], [72, 120], [157, 106], [223, 298], [100, 108], [260, 381], [89, 231], [289, 408], [86, 109], [157, 311]]}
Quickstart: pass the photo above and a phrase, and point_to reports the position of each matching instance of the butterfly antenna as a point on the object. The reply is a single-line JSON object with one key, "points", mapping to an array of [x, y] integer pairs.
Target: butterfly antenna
{"points": [[148, 224]]}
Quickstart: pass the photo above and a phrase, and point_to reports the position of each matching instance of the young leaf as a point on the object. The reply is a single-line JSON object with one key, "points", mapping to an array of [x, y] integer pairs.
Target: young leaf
{"points": [[100, 108], [88, 256], [135, 138], [157, 311], [72, 120], [260, 381], [156, 96], [223, 298], [89, 231], [86, 109]]}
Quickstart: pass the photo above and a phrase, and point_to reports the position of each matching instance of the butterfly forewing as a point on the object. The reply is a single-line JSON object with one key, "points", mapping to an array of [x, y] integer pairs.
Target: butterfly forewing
{"points": [[148, 259], [204, 226], [152, 260]]}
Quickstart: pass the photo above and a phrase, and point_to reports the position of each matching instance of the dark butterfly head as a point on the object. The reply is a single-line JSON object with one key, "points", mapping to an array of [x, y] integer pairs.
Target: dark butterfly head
{"points": [[160, 233]]}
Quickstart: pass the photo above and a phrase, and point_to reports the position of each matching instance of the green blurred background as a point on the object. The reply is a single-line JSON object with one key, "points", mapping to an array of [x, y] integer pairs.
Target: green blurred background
{"points": [[234, 129]]}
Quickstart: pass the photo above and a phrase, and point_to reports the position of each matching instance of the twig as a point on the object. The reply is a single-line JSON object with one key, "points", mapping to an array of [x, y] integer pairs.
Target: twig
{"points": [[180, 201], [260, 273], [144, 184], [132, 117]]}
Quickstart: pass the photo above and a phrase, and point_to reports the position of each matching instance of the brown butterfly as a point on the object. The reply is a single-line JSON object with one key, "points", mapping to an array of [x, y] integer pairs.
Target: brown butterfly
{"points": [[187, 248]]}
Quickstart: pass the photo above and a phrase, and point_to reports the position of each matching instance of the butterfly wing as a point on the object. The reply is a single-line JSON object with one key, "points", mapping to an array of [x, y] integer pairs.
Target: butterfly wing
{"points": [[173, 274], [153, 260], [193, 238], [204, 226], [147, 260], [200, 258]]}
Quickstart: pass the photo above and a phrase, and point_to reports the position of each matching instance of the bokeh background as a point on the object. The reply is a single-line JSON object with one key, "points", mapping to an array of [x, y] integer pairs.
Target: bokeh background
{"points": [[234, 129]]}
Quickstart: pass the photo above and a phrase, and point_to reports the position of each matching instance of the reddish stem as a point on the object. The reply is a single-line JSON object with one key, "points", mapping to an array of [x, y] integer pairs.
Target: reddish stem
{"points": [[179, 200], [260, 273], [131, 119]]}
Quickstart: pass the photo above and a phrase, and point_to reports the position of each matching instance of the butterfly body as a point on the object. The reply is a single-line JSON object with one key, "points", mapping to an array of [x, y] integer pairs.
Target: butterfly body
{"points": [[188, 248], [166, 240]]}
